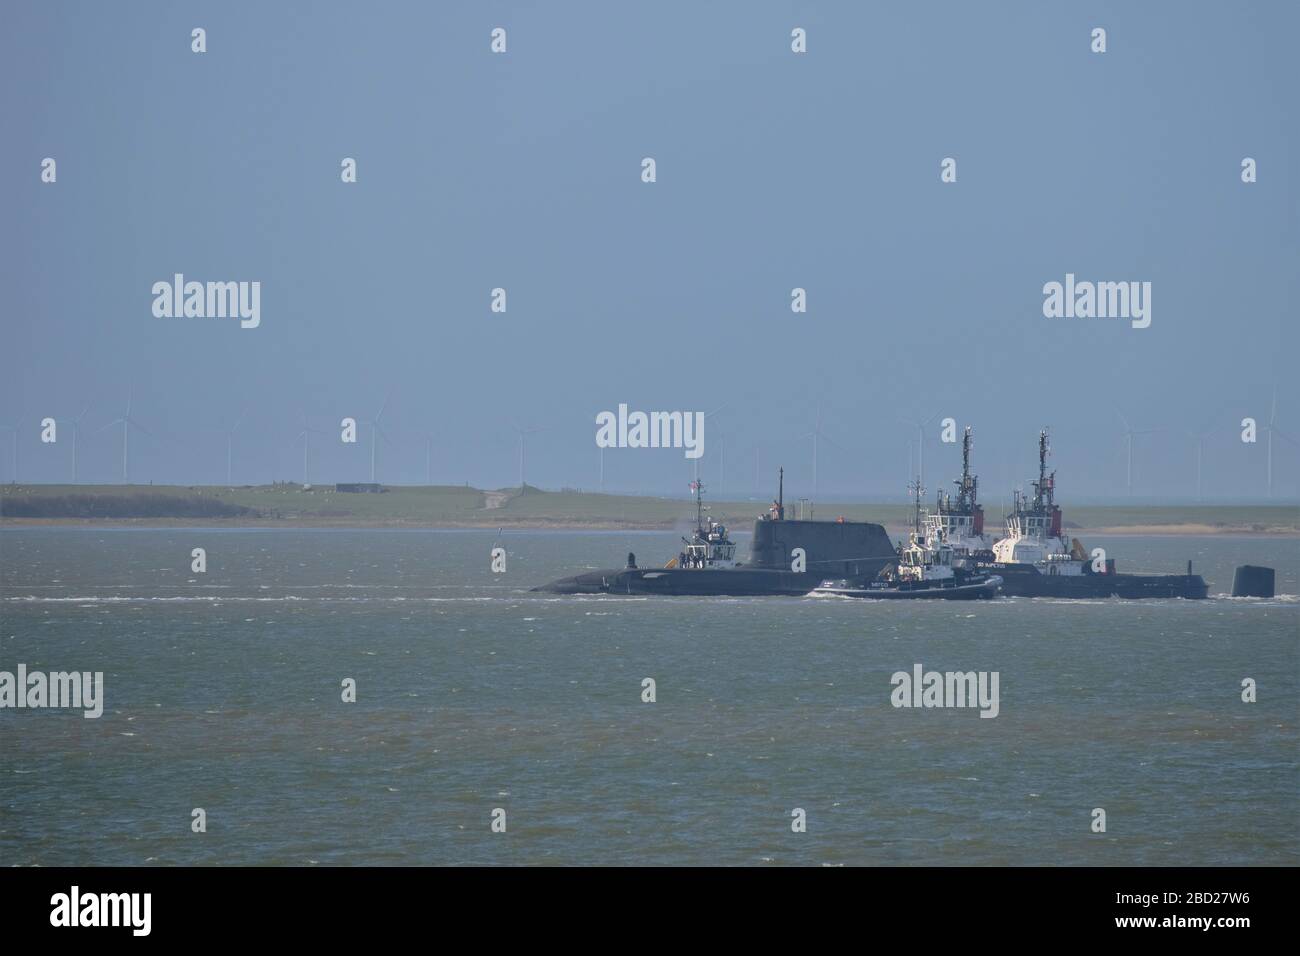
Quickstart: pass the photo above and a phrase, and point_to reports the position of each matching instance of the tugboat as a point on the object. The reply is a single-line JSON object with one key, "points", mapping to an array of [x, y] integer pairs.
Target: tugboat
{"points": [[929, 566], [1034, 559], [709, 546], [960, 524], [707, 564]]}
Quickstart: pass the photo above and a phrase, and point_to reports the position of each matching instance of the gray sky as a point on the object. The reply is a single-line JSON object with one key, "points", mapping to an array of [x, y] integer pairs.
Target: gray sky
{"points": [[775, 170]]}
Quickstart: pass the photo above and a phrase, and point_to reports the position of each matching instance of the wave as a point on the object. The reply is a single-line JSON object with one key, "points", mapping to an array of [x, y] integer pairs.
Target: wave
{"points": [[90, 601]]}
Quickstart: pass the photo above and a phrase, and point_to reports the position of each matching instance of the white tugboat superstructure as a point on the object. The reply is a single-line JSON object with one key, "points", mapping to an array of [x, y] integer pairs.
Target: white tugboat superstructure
{"points": [[921, 562], [1034, 527], [960, 524], [709, 546]]}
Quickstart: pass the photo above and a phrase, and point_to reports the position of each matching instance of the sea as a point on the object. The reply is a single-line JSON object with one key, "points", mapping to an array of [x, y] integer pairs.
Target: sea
{"points": [[494, 725]]}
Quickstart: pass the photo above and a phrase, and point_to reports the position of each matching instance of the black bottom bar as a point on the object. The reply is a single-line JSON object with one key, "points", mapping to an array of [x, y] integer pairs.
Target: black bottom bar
{"points": [[481, 906]]}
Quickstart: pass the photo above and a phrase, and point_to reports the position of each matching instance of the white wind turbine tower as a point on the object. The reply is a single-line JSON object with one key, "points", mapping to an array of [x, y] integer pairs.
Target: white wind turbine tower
{"points": [[230, 445], [817, 435], [695, 462], [722, 462], [1199, 437], [523, 436], [428, 459], [1271, 427], [126, 421], [375, 434], [1129, 434], [14, 429], [307, 431], [76, 433]]}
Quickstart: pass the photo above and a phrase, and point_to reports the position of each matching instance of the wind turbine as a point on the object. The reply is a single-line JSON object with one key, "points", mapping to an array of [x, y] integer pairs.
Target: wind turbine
{"points": [[230, 444], [700, 437], [722, 462], [1271, 427], [1128, 442], [126, 421], [306, 431], [816, 435], [523, 435], [428, 459], [375, 434], [15, 428], [1199, 437], [76, 432], [920, 427]]}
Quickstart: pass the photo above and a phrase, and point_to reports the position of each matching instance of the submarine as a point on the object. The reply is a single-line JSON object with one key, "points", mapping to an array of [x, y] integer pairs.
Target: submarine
{"points": [[787, 557]]}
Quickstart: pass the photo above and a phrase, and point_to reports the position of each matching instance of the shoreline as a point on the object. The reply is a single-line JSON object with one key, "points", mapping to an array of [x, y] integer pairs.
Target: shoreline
{"points": [[570, 524]]}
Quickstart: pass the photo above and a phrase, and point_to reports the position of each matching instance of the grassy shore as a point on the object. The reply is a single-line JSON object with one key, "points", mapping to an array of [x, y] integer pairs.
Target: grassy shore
{"points": [[458, 506]]}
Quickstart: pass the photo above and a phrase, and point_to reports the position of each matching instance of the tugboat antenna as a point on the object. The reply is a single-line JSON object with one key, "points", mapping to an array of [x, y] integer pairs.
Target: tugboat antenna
{"points": [[697, 486]]}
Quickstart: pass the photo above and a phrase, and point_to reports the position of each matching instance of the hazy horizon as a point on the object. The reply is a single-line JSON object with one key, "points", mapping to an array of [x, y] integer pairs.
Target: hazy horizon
{"points": [[775, 170]]}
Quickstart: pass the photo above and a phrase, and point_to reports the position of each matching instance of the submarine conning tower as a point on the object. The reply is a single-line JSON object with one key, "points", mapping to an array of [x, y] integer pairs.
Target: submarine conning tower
{"points": [[832, 548], [1251, 580], [850, 549]]}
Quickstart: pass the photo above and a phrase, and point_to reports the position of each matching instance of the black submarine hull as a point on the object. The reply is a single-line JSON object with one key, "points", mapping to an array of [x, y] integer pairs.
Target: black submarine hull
{"points": [[734, 582], [830, 549], [1026, 580]]}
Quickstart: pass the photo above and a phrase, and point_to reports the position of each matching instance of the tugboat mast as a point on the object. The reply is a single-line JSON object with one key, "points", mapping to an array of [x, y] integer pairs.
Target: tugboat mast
{"points": [[966, 486], [1044, 487], [917, 491], [1037, 516]]}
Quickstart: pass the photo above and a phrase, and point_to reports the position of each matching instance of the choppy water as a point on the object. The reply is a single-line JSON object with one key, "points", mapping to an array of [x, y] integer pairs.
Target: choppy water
{"points": [[223, 692]]}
